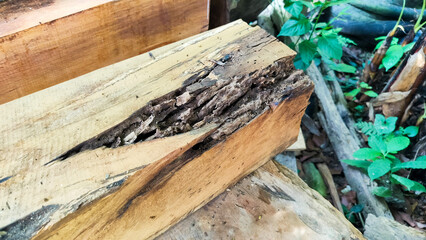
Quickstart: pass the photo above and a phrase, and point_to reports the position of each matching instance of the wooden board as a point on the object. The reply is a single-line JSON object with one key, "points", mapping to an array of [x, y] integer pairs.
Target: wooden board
{"points": [[43, 43], [164, 192], [41, 126], [267, 204]]}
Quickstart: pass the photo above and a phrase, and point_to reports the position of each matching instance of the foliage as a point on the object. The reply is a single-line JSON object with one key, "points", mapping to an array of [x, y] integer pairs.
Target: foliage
{"points": [[326, 44], [394, 53], [379, 160], [362, 88], [354, 211]]}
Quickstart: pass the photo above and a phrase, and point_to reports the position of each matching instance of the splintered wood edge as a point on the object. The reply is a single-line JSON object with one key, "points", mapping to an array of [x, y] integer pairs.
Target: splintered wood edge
{"points": [[183, 184]]}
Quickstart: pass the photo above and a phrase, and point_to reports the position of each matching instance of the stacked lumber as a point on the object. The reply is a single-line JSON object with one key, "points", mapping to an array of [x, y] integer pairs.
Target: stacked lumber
{"points": [[43, 43], [130, 149]]}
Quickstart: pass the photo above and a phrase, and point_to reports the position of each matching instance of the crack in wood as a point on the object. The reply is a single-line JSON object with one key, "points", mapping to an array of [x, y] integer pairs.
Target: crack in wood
{"points": [[205, 97], [238, 118]]}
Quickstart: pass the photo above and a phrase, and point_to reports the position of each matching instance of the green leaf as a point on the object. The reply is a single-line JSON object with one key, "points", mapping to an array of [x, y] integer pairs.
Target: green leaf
{"points": [[294, 8], [377, 143], [422, 158], [314, 179], [295, 26], [384, 125], [411, 164], [357, 163], [392, 57], [299, 64], [307, 50], [345, 41], [365, 85], [410, 184], [397, 144], [341, 67], [411, 131], [357, 208], [379, 168], [330, 47], [321, 25], [408, 47], [394, 42], [353, 93], [382, 192], [367, 153], [371, 94]]}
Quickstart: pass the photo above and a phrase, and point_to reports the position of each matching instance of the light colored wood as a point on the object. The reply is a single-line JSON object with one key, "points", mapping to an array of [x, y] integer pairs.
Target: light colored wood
{"points": [[55, 41], [328, 179], [88, 176], [39, 127], [142, 210], [299, 145], [266, 205]]}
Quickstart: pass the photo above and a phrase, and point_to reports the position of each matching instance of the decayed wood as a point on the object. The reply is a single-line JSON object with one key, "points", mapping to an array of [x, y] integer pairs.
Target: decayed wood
{"points": [[227, 76], [161, 194], [43, 43], [266, 205]]}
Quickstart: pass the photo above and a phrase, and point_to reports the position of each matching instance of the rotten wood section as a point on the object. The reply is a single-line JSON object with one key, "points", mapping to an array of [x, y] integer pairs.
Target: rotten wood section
{"points": [[234, 87], [268, 204], [43, 43]]}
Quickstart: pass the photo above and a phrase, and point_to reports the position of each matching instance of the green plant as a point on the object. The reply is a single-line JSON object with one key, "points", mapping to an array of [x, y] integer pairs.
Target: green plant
{"points": [[379, 158], [354, 211], [326, 43], [363, 88], [394, 53]]}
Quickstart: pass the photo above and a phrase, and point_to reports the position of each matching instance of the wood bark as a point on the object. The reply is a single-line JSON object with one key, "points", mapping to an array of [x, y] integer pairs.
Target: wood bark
{"points": [[43, 43], [223, 103], [268, 204]]}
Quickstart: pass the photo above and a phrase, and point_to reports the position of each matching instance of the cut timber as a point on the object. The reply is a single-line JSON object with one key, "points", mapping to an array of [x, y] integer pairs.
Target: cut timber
{"points": [[234, 87], [45, 42], [266, 205]]}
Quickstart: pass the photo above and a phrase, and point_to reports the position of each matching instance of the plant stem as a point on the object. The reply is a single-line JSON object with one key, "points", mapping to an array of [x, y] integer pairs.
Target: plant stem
{"points": [[417, 26], [400, 16], [362, 220], [317, 19]]}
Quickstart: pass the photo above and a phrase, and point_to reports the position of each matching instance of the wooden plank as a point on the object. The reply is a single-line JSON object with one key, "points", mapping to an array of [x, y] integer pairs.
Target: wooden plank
{"points": [[164, 192], [228, 76], [88, 180], [267, 204], [43, 43], [38, 127]]}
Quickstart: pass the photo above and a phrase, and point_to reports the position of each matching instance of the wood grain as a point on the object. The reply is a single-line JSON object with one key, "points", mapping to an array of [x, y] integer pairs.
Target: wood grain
{"points": [[43, 43], [267, 204], [39, 127], [164, 192]]}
